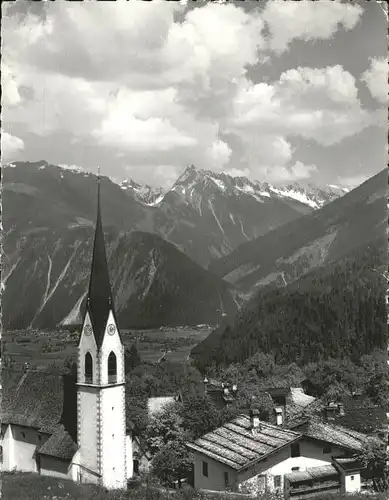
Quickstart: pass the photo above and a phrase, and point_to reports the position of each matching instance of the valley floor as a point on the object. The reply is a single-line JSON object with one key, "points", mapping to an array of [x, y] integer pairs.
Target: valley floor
{"points": [[44, 349]]}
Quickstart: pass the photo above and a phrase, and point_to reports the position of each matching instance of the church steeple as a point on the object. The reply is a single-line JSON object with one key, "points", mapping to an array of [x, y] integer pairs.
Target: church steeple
{"points": [[99, 301]]}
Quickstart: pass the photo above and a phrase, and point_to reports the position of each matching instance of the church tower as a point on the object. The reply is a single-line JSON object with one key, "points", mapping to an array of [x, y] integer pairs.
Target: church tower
{"points": [[101, 412]]}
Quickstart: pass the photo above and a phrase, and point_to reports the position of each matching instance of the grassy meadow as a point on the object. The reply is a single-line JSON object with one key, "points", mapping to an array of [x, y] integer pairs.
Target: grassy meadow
{"points": [[29, 486]]}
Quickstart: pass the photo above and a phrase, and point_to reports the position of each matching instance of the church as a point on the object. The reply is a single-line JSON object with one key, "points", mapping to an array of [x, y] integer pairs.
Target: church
{"points": [[69, 427]]}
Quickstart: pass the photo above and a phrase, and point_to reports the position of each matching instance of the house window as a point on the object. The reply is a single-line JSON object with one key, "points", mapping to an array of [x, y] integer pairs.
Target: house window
{"points": [[295, 450], [326, 448], [352, 478], [23, 434], [112, 368], [205, 469], [226, 479], [88, 368], [277, 481], [136, 466]]}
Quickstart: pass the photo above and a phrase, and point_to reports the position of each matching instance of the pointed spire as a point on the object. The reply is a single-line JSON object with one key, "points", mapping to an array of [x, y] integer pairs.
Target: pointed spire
{"points": [[99, 301]]}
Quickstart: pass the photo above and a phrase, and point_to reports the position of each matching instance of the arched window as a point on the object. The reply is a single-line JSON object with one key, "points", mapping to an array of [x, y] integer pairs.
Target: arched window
{"points": [[112, 369], [88, 368]]}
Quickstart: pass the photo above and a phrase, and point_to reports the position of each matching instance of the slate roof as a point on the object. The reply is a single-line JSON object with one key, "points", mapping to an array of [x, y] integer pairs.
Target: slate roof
{"points": [[333, 434], [238, 446], [99, 300], [59, 445]]}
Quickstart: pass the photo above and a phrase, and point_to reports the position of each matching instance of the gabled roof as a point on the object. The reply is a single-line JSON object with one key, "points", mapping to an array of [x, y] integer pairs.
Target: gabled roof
{"points": [[238, 446], [333, 434], [99, 300], [59, 445]]}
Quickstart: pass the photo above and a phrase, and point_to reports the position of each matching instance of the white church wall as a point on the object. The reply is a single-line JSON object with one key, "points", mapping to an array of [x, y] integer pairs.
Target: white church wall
{"points": [[113, 437], [8, 449], [22, 443], [87, 344], [88, 411], [112, 343]]}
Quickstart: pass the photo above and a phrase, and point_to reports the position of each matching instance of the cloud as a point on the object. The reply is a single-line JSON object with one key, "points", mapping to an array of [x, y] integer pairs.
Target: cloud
{"points": [[376, 79], [281, 174], [353, 181], [10, 146], [307, 21], [9, 87], [313, 103], [158, 85], [218, 153]]}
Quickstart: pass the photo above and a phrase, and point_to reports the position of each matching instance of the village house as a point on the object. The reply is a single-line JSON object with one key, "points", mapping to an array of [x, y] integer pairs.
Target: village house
{"points": [[248, 455], [75, 427]]}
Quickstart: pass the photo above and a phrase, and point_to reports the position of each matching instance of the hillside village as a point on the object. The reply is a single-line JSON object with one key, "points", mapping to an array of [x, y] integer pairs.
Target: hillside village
{"points": [[280, 438], [194, 250]]}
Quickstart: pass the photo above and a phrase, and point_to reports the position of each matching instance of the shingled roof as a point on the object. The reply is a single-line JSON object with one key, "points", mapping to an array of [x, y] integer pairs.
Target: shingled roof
{"points": [[238, 446], [334, 434], [33, 399], [59, 445]]}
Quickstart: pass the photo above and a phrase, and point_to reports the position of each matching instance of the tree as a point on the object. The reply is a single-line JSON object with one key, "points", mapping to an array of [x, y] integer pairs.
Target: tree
{"points": [[132, 358], [164, 427], [172, 462], [136, 405], [374, 458], [199, 416]]}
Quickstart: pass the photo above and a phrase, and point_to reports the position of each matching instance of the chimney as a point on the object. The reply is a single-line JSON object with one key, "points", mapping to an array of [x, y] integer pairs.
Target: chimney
{"points": [[341, 409], [330, 411], [254, 418], [279, 415]]}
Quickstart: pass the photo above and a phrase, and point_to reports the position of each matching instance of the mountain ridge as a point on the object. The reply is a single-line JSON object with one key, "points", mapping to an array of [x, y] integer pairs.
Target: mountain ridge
{"points": [[154, 284], [207, 225], [284, 254]]}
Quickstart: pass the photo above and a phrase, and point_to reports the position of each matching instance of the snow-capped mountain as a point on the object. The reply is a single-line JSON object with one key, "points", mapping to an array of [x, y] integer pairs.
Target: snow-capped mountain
{"points": [[143, 193], [192, 184]]}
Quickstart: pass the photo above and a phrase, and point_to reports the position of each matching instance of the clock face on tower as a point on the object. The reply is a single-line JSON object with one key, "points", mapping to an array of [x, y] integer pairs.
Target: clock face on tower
{"points": [[88, 330], [111, 329]]}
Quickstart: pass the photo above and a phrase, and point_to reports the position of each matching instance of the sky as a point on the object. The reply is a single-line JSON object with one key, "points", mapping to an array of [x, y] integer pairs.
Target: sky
{"points": [[276, 91]]}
